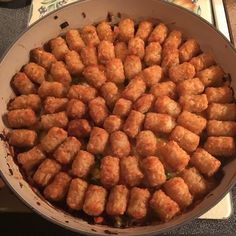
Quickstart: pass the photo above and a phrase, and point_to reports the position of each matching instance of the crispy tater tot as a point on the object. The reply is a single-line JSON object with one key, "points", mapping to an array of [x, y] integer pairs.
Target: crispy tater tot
{"points": [[220, 146], [109, 171], [74, 63], [164, 206], [76, 194], [126, 29], [192, 122], [176, 158], [221, 128], [170, 59], [144, 103], [112, 123], [106, 51], [138, 203], [121, 50], [117, 201], [95, 200], [115, 71], [166, 105], [54, 89], [35, 72], [82, 164], [130, 172], [110, 93], [152, 54], [105, 32], [58, 48], [54, 120], [22, 84], [158, 34], [97, 141], [89, 35], [188, 50], [152, 75], [120, 145], [132, 66], [178, 190], [89, 56], [79, 128], [45, 172], [190, 87], [122, 107], [205, 162], [133, 123], [154, 171], [74, 40], [57, 190], [224, 112], [21, 118], [53, 105], [144, 29], [202, 61], [167, 88], [221, 95], [136, 47], [75, 109]]}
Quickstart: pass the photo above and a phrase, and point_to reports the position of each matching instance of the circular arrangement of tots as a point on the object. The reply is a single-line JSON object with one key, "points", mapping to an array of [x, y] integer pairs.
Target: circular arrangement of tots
{"points": [[121, 126]]}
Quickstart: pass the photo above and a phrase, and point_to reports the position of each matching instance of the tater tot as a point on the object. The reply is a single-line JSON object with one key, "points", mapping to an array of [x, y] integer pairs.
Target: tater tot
{"points": [[115, 71], [89, 35], [22, 84], [178, 190], [73, 63], [188, 50], [138, 203], [109, 171], [192, 122], [106, 51], [202, 61], [75, 109], [112, 123], [220, 95], [205, 162], [144, 30], [146, 143], [53, 138], [97, 141], [94, 76], [31, 159], [53, 105], [54, 120], [170, 59], [152, 75], [89, 56], [22, 138], [194, 103], [122, 107], [175, 156], [144, 103], [211, 76], [65, 153], [21, 118], [166, 105], [117, 201], [134, 89], [76, 194], [57, 190], [60, 73], [35, 72], [126, 30], [74, 40], [45, 172], [136, 47], [79, 128], [196, 183], [154, 171], [158, 34], [132, 66], [130, 172], [54, 89], [31, 101], [105, 32], [121, 50], [98, 110], [82, 164], [120, 145], [221, 128], [152, 54], [181, 72], [133, 123], [164, 206], [58, 48], [159, 123], [190, 87], [95, 200], [167, 88], [220, 146], [186, 139], [224, 112], [42, 58], [110, 93]]}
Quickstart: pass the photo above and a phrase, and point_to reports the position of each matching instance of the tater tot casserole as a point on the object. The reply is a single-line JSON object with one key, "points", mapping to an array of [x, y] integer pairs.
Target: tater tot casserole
{"points": [[122, 125]]}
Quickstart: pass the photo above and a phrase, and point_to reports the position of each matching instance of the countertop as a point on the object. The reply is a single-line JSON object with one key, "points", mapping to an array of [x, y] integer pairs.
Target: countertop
{"points": [[13, 19]]}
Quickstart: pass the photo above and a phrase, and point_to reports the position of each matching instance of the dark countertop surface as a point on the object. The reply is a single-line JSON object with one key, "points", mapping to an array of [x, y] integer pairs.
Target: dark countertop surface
{"points": [[13, 20]]}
